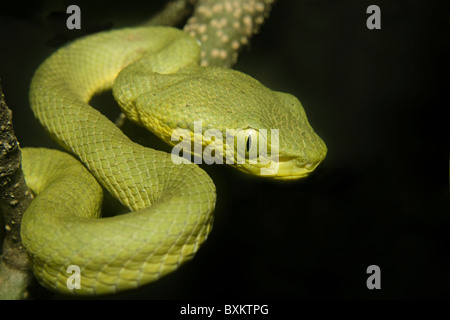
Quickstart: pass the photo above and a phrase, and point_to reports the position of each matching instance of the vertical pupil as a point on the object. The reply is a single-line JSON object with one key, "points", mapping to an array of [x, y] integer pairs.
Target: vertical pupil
{"points": [[248, 143]]}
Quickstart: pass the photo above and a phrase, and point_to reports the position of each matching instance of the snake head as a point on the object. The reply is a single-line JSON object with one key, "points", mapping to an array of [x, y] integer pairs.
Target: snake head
{"points": [[279, 142], [226, 117], [298, 149]]}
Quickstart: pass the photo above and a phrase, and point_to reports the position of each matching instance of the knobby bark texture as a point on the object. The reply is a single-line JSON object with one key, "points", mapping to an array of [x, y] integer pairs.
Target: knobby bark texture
{"points": [[14, 199], [223, 27]]}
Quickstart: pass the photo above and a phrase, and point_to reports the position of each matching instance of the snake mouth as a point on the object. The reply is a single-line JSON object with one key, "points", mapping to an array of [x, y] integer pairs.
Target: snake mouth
{"points": [[293, 167], [286, 168], [289, 170], [298, 173]]}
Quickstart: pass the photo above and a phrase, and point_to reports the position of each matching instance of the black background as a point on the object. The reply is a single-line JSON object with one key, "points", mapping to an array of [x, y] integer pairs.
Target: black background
{"points": [[378, 100]]}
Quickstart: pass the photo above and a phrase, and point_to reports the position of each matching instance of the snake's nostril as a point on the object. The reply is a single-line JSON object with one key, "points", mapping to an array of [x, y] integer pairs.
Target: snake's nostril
{"points": [[311, 165]]}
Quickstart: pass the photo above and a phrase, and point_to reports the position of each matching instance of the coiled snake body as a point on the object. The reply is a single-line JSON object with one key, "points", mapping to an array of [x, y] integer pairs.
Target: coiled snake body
{"points": [[161, 87]]}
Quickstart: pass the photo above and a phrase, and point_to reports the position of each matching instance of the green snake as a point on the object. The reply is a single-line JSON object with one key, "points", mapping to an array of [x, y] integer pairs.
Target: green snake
{"points": [[155, 77]]}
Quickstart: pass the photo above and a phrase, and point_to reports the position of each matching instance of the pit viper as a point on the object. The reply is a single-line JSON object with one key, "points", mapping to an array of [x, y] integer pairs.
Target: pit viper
{"points": [[156, 79]]}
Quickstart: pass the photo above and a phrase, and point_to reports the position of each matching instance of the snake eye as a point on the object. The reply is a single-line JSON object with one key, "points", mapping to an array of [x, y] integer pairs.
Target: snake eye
{"points": [[251, 145], [248, 145]]}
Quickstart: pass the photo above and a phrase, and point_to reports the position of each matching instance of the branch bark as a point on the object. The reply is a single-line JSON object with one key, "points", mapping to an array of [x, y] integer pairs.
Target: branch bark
{"points": [[223, 27], [14, 199]]}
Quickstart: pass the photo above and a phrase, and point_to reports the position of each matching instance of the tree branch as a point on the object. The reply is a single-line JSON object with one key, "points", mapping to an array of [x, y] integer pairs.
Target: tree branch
{"points": [[225, 26], [15, 197]]}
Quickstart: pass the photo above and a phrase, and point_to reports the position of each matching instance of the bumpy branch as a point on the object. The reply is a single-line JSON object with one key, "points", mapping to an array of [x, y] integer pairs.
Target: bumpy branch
{"points": [[14, 199], [224, 26]]}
